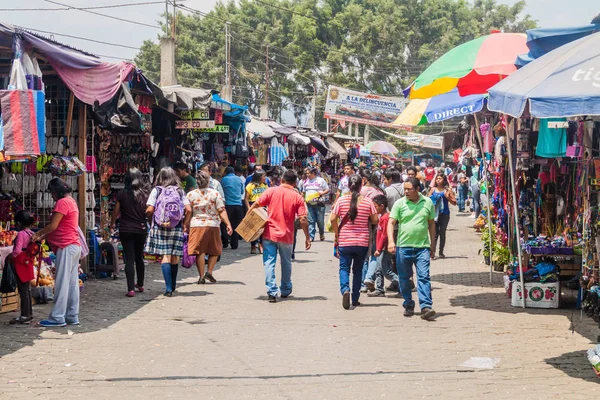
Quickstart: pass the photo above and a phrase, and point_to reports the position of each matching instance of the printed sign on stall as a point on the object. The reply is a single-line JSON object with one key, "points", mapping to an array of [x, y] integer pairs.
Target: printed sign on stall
{"points": [[216, 129], [362, 108], [194, 124], [195, 114]]}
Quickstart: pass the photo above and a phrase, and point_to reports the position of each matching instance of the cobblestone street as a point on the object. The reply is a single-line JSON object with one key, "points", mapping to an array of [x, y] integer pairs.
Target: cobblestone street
{"points": [[225, 341]]}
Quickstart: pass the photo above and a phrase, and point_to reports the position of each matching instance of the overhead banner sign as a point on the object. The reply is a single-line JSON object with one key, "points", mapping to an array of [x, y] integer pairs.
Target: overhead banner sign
{"points": [[425, 141], [194, 124], [362, 108]]}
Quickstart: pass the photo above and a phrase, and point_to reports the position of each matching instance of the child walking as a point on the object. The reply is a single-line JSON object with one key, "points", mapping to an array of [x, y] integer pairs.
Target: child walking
{"points": [[24, 264]]}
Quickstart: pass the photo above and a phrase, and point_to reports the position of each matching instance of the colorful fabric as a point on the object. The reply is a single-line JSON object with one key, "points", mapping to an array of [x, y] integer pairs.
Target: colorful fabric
{"points": [[165, 241], [354, 233], [19, 120], [206, 204], [277, 153]]}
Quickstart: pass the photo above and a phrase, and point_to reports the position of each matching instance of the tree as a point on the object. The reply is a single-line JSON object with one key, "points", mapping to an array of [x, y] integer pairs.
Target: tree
{"points": [[377, 46]]}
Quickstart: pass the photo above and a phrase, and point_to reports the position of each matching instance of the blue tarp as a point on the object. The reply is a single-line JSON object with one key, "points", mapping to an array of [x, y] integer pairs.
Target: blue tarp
{"points": [[450, 105], [562, 83], [543, 40]]}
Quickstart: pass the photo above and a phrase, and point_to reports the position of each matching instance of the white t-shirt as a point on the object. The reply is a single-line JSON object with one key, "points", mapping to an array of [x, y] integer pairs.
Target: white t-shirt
{"points": [[311, 188], [343, 185], [154, 196]]}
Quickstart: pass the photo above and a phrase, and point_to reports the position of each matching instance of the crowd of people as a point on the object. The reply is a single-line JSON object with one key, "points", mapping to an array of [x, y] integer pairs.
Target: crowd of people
{"points": [[384, 221]]}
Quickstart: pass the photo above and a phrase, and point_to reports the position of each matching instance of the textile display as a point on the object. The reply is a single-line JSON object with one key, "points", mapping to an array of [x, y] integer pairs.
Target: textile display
{"points": [[20, 122]]}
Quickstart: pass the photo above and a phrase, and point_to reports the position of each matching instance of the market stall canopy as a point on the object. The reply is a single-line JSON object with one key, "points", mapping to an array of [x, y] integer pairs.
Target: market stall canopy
{"points": [[337, 148], [381, 147], [562, 83], [472, 67], [260, 128], [439, 108], [188, 98], [87, 76], [298, 139], [319, 145], [280, 129], [543, 40]]}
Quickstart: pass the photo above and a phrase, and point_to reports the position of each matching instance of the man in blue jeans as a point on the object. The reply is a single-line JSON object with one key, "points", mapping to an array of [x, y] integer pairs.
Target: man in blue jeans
{"points": [[283, 204], [315, 190], [415, 215]]}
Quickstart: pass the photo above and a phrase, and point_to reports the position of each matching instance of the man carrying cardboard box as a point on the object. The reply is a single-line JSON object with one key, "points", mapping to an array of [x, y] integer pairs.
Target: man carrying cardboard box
{"points": [[283, 205]]}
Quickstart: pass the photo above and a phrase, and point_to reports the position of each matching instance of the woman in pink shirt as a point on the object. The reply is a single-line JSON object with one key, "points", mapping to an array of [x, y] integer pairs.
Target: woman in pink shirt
{"points": [[63, 235], [24, 221], [356, 213]]}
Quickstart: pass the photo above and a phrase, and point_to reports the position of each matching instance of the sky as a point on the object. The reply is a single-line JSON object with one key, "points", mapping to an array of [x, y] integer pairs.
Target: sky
{"points": [[548, 13]]}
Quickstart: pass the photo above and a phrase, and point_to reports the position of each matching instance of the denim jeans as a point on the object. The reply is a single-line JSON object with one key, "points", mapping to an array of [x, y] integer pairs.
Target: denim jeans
{"points": [[270, 250], [316, 216], [352, 257], [380, 267], [476, 191], [405, 258], [66, 285], [463, 193]]}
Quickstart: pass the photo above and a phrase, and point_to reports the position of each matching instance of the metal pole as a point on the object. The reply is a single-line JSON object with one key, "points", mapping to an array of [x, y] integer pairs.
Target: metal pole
{"points": [[487, 193], [227, 55], [166, 17], [516, 210], [267, 83]]}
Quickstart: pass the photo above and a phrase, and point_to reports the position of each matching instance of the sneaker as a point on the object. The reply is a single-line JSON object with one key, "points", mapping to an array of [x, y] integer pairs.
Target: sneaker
{"points": [[363, 290], [210, 278], [201, 281], [131, 293], [73, 322], [253, 250], [51, 324], [441, 255], [346, 300], [139, 288], [272, 299], [20, 320], [322, 238], [370, 285], [376, 294], [409, 311], [285, 296], [393, 287], [427, 314], [168, 294], [356, 303]]}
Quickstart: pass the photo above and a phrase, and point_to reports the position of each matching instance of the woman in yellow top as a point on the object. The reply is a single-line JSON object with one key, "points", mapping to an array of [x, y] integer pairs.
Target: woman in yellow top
{"points": [[254, 190]]}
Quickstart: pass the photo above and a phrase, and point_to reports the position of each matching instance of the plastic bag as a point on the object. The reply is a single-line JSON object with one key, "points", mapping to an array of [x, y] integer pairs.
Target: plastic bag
{"points": [[187, 261], [8, 284], [18, 81]]}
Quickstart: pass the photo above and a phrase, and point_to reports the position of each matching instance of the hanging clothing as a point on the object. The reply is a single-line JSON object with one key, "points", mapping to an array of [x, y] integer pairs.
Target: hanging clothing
{"points": [[552, 142], [277, 153]]}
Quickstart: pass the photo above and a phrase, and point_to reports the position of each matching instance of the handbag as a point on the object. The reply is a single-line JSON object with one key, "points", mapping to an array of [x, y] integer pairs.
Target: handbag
{"points": [[8, 284]]}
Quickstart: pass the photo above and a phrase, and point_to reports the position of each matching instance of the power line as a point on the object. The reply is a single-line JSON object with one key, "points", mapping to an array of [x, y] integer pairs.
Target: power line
{"points": [[81, 38], [104, 15], [68, 8]]}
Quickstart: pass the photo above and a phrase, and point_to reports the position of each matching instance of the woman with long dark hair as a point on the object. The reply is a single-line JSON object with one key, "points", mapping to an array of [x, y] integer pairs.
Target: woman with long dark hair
{"points": [[167, 207], [130, 209], [63, 235], [441, 195], [355, 213]]}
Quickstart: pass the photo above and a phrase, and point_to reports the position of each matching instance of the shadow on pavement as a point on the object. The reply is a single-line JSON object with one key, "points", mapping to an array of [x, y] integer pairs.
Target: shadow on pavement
{"points": [[480, 279], [103, 303], [574, 364], [369, 305], [293, 298]]}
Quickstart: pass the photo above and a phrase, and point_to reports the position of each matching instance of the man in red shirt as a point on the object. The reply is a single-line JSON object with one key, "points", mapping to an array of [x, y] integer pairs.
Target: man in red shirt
{"points": [[283, 204]]}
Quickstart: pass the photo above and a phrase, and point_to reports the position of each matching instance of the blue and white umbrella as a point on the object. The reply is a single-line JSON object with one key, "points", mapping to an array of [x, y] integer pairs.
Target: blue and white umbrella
{"points": [[562, 83]]}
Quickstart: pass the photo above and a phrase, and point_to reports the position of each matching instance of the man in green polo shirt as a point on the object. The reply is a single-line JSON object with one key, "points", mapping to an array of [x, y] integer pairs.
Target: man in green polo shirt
{"points": [[415, 215]]}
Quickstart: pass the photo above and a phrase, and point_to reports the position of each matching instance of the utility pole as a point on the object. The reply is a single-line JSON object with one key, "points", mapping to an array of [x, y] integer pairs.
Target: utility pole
{"points": [[312, 120], [226, 92], [168, 72], [167, 16], [174, 24], [266, 112]]}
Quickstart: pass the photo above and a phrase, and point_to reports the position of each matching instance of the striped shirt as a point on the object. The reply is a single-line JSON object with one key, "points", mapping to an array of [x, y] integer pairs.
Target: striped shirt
{"points": [[277, 153], [354, 233]]}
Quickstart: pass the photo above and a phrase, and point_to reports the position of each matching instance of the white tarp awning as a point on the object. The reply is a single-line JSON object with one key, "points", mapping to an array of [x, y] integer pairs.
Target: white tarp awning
{"points": [[190, 98], [260, 128]]}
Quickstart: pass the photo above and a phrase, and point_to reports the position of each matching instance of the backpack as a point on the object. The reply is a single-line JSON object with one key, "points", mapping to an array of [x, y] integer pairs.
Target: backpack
{"points": [[168, 211]]}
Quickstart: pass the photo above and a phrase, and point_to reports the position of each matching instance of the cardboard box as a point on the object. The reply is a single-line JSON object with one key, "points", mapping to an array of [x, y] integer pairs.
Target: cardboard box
{"points": [[10, 302], [253, 225], [537, 295]]}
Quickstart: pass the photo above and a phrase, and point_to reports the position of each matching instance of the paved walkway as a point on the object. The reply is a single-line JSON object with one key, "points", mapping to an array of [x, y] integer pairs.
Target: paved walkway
{"points": [[225, 341]]}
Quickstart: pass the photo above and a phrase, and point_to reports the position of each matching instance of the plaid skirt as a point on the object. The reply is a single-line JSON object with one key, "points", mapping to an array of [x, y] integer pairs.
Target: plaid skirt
{"points": [[165, 241]]}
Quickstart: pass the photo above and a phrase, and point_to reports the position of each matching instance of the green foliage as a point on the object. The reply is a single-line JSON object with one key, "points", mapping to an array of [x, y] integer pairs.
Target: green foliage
{"points": [[377, 46]]}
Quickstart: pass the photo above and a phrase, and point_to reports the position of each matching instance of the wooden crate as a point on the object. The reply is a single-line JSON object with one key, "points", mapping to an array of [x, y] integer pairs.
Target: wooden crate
{"points": [[10, 302]]}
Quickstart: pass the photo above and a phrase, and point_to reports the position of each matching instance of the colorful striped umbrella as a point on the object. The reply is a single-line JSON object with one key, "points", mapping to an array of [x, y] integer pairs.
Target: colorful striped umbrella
{"points": [[439, 108], [472, 67], [381, 147]]}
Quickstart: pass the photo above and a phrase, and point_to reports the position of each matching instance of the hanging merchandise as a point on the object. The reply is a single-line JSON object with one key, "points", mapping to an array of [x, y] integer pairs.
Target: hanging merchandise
{"points": [[523, 151], [277, 153]]}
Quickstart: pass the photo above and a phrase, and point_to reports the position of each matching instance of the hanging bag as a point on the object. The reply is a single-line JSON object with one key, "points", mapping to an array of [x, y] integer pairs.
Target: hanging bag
{"points": [[8, 284], [241, 149]]}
